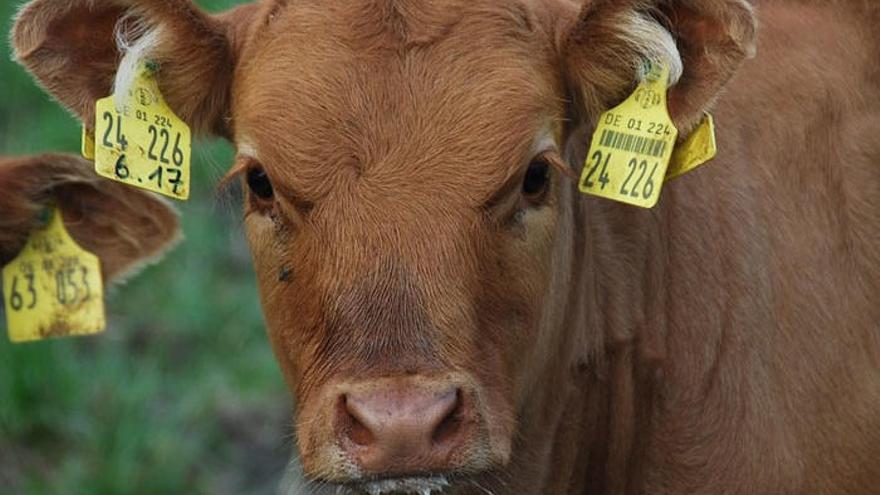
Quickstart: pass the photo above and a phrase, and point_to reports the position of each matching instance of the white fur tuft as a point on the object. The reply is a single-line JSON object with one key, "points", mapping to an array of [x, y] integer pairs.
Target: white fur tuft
{"points": [[654, 42], [134, 52]]}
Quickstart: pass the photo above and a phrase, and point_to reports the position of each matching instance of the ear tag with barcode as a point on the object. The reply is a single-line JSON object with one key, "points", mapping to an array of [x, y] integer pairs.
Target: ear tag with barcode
{"points": [[632, 145], [699, 147], [53, 288], [140, 141]]}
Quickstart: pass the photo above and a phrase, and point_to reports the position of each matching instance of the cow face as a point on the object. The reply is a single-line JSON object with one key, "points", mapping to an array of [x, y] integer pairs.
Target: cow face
{"points": [[408, 204], [402, 225]]}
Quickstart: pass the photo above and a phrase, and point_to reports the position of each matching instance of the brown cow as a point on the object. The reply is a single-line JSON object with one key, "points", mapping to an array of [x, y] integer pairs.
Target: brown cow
{"points": [[125, 228], [452, 316]]}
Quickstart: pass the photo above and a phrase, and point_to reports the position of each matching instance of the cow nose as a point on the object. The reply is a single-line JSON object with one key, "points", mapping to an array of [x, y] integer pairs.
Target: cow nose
{"points": [[397, 430]]}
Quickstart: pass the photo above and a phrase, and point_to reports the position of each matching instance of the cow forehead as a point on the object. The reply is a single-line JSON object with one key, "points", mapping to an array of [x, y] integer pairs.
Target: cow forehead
{"points": [[327, 89]]}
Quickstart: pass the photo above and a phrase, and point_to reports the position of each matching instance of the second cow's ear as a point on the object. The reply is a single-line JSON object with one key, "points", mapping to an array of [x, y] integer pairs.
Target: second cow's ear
{"points": [[123, 226], [74, 48], [703, 42]]}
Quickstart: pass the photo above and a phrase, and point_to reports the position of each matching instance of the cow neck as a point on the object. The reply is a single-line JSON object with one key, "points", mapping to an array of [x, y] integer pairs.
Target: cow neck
{"points": [[618, 305]]}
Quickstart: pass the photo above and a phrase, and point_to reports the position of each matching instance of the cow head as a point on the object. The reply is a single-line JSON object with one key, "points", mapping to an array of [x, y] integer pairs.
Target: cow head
{"points": [[408, 202], [124, 228]]}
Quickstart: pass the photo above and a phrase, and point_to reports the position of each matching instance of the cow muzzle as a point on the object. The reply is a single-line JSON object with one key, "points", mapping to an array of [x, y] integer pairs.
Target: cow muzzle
{"points": [[390, 430]]}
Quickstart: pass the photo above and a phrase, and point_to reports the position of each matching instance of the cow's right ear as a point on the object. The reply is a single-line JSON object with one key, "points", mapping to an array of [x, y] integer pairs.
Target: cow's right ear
{"points": [[125, 227], [78, 49], [605, 43]]}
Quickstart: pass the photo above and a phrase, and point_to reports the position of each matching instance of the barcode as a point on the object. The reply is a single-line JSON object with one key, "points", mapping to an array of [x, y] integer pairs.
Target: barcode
{"points": [[632, 143]]}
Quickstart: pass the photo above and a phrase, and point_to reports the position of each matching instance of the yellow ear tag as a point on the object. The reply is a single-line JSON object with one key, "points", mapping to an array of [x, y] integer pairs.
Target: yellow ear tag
{"points": [[632, 145], [697, 149], [53, 288], [88, 145], [140, 141]]}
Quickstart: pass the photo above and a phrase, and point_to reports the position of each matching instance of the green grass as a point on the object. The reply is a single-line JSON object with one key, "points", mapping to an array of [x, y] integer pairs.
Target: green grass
{"points": [[181, 394]]}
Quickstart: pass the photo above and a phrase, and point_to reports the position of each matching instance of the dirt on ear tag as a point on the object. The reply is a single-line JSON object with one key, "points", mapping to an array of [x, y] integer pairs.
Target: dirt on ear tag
{"points": [[633, 144], [53, 288], [140, 141], [697, 149], [88, 144]]}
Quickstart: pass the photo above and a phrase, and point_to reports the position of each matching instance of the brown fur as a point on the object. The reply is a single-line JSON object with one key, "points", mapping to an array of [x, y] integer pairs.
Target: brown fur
{"points": [[123, 226], [727, 341]]}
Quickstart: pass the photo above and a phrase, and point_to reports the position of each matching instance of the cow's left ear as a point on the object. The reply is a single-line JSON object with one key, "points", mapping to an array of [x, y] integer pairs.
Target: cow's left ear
{"points": [[78, 50], [704, 42]]}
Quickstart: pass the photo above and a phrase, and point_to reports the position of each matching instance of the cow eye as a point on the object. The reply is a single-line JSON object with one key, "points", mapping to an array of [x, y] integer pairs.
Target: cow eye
{"points": [[536, 180], [259, 184]]}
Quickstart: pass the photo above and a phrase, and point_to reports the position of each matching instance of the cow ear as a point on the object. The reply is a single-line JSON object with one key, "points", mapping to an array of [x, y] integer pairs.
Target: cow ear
{"points": [[123, 226], [78, 49], [703, 42]]}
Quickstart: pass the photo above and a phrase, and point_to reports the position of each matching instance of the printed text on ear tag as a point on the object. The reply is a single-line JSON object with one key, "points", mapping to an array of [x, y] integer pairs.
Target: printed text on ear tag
{"points": [[140, 141], [697, 149], [632, 145], [53, 288]]}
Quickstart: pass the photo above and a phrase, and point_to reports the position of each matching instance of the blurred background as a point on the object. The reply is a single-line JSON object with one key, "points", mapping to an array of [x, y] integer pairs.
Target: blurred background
{"points": [[181, 393]]}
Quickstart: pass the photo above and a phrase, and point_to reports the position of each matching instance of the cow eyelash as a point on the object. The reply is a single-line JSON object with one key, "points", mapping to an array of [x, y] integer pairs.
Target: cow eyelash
{"points": [[537, 178], [536, 181], [259, 184], [525, 190], [260, 191]]}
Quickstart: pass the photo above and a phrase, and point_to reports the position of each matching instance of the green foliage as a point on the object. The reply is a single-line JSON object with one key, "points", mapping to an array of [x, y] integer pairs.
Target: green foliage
{"points": [[181, 393]]}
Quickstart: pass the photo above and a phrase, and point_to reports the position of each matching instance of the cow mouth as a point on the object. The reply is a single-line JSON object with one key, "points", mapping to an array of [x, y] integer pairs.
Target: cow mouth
{"points": [[404, 486], [410, 485]]}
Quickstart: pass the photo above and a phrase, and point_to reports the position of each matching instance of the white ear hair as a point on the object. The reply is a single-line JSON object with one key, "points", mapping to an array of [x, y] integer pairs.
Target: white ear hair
{"points": [[654, 42], [133, 52]]}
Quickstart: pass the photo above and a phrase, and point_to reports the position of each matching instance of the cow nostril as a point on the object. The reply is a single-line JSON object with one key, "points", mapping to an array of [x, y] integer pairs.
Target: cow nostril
{"points": [[403, 427], [355, 429], [450, 425]]}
